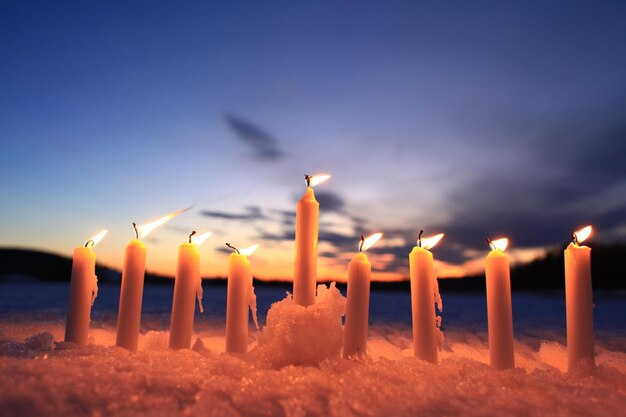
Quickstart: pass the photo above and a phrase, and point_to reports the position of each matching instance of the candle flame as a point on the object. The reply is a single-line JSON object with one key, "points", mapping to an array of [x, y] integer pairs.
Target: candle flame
{"points": [[200, 239], [369, 241], [144, 230], [583, 234], [249, 251], [499, 244], [317, 179], [430, 242], [93, 241]]}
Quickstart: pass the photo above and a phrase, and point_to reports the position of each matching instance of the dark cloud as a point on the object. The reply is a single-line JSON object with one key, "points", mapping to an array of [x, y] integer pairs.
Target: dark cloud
{"points": [[264, 146], [330, 201], [252, 213], [572, 168]]}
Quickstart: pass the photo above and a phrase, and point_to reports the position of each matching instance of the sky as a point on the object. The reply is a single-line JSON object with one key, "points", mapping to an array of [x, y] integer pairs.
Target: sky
{"points": [[466, 118]]}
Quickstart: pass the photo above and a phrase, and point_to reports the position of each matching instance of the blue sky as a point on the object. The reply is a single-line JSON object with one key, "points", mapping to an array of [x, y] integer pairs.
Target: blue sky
{"points": [[469, 118]]}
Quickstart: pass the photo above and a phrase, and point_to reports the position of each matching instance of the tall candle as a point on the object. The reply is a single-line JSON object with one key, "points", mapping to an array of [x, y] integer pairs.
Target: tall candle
{"points": [[423, 280], [187, 287], [499, 310], [579, 302], [83, 291], [307, 218], [357, 307], [239, 293], [131, 291]]}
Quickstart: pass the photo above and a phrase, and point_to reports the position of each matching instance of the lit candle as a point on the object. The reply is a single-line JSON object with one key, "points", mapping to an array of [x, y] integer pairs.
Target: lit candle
{"points": [[423, 292], [131, 292], [358, 303], [578, 299], [307, 214], [499, 311], [83, 291], [238, 298], [187, 287]]}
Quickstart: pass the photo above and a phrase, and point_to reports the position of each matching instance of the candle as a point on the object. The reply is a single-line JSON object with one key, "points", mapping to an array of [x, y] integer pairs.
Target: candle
{"points": [[187, 287], [131, 291], [499, 312], [238, 298], [423, 285], [358, 303], [578, 300], [307, 214], [83, 291]]}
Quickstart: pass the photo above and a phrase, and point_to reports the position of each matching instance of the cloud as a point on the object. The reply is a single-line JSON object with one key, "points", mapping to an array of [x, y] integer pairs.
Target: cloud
{"points": [[252, 213], [330, 202], [263, 145]]}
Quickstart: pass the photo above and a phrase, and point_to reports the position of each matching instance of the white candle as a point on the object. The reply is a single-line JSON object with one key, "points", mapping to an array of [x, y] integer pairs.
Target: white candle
{"points": [[187, 287], [423, 281], [499, 310], [579, 300], [83, 291], [307, 215], [238, 299], [131, 291], [357, 307]]}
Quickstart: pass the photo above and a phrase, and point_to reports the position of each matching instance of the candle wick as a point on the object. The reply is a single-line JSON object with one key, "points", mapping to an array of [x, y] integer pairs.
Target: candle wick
{"points": [[136, 231], [574, 239], [192, 233], [308, 179], [490, 243], [419, 239], [362, 242], [89, 243], [233, 248]]}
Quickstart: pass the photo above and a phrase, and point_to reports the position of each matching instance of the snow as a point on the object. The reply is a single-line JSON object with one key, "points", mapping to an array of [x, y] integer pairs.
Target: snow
{"points": [[289, 372]]}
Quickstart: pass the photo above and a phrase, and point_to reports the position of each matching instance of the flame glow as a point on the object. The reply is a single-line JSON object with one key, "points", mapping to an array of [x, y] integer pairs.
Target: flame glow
{"points": [[145, 229], [249, 251], [93, 241], [318, 179], [583, 234], [499, 244], [430, 242], [369, 241], [199, 239]]}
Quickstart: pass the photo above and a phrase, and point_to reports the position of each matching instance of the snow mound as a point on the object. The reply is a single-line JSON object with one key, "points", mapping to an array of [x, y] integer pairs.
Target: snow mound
{"points": [[298, 335]]}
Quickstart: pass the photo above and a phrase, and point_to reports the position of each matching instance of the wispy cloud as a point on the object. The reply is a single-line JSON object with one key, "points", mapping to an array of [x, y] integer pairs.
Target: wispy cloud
{"points": [[264, 146], [252, 213]]}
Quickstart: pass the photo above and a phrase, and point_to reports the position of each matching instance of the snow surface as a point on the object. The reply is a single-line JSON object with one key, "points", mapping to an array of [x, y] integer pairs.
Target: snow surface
{"points": [[288, 372]]}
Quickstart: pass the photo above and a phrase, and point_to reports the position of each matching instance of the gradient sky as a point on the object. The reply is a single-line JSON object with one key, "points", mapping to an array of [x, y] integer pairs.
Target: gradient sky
{"points": [[469, 118]]}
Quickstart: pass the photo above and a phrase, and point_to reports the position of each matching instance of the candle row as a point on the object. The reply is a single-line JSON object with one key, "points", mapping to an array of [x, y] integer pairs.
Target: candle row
{"points": [[424, 291]]}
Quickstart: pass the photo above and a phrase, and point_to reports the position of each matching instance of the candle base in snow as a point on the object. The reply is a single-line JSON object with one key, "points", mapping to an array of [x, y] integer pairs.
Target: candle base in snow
{"points": [[298, 335]]}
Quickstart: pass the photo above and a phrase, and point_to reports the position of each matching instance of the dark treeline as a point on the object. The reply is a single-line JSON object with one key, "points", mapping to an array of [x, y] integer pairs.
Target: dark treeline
{"points": [[608, 264]]}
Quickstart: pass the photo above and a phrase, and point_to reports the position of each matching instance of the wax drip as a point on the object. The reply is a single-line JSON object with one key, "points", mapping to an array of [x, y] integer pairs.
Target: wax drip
{"points": [[439, 304], [199, 294], [252, 304], [94, 289]]}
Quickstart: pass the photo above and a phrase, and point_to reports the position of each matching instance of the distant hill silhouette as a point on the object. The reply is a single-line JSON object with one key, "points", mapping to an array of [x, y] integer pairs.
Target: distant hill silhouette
{"points": [[608, 265]]}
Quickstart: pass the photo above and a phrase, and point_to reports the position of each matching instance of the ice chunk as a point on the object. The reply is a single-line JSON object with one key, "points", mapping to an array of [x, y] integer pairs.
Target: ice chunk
{"points": [[297, 335]]}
